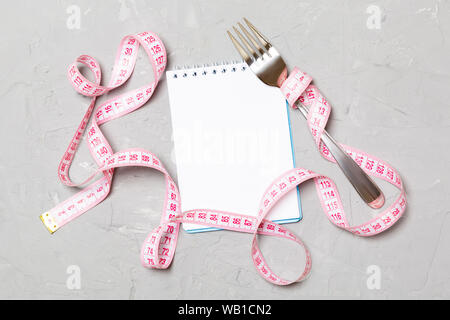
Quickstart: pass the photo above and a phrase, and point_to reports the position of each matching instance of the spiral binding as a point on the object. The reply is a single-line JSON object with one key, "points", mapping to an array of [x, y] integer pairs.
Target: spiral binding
{"points": [[207, 69]]}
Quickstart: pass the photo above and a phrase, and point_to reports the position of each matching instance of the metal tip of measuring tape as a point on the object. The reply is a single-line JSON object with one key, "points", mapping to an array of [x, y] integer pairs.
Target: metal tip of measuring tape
{"points": [[49, 222]]}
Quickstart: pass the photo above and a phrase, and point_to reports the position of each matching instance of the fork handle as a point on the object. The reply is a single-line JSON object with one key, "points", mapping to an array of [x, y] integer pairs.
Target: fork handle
{"points": [[362, 183]]}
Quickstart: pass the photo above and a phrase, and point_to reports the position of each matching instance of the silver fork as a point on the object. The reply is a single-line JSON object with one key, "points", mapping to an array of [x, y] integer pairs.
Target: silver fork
{"points": [[268, 65]]}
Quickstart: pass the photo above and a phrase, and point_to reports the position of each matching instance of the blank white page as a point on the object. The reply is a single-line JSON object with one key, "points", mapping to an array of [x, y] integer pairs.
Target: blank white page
{"points": [[232, 139]]}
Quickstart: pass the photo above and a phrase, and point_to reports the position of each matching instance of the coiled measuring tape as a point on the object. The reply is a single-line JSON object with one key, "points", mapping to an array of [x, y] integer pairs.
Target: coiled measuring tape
{"points": [[159, 247]]}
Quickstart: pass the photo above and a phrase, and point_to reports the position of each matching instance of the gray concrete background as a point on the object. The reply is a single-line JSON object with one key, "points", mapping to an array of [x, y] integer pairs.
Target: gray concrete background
{"points": [[390, 92]]}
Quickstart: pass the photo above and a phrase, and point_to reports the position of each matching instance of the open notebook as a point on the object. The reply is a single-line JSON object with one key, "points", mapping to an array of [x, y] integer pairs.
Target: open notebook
{"points": [[232, 139]]}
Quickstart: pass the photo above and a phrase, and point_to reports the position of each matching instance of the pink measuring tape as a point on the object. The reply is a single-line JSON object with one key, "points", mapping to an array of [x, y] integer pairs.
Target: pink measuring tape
{"points": [[159, 247]]}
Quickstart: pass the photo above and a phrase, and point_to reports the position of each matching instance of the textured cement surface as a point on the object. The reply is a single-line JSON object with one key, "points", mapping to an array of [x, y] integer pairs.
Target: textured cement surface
{"points": [[389, 85]]}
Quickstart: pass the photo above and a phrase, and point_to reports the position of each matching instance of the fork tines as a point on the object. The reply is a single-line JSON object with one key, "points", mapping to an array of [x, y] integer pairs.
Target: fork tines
{"points": [[254, 49]]}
